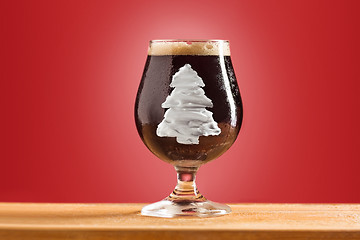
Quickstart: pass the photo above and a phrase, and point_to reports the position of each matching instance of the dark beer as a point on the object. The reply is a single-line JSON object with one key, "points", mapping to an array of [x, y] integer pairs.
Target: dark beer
{"points": [[220, 86]]}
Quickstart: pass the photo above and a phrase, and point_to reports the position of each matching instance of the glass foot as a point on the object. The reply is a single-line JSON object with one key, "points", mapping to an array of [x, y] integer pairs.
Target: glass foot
{"points": [[169, 209]]}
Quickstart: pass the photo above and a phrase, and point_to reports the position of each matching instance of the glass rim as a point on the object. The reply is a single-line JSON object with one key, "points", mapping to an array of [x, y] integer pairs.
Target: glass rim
{"points": [[188, 40]]}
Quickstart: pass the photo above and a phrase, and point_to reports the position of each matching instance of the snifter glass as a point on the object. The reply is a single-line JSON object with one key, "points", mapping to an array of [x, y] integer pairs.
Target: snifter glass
{"points": [[188, 111]]}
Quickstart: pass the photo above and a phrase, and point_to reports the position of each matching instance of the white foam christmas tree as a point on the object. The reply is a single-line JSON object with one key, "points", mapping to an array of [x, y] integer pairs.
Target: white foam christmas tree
{"points": [[187, 117]]}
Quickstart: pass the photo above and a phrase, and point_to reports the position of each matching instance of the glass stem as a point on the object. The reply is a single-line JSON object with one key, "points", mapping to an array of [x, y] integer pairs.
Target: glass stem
{"points": [[185, 190]]}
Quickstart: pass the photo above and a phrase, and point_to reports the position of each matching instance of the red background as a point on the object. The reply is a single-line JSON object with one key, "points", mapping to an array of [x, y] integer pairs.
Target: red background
{"points": [[70, 72]]}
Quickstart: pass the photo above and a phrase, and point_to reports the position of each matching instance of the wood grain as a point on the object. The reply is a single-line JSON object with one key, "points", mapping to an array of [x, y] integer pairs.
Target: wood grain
{"points": [[123, 221]]}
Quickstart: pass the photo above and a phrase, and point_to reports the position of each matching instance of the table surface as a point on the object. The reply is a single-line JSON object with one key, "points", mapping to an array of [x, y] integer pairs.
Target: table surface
{"points": [[114, 221]]}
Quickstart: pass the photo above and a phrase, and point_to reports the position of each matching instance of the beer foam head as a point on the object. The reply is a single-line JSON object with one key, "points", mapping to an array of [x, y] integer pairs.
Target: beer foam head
{"points": [[189, 47]]}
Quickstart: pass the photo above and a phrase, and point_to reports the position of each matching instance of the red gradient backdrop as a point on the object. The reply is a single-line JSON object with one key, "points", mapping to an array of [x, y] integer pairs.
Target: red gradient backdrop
{"points": [[70, 71]]}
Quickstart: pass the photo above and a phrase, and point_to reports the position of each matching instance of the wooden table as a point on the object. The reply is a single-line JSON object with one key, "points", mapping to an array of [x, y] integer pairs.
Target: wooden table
{"points": [[122, 221]]}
